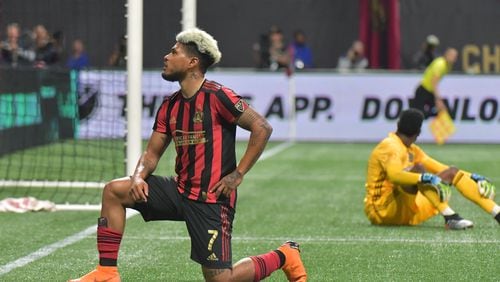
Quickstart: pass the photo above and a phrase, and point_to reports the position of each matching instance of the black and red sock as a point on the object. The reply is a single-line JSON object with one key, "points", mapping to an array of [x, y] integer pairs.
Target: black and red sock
{"points": [[267, 263], [108, 243]]}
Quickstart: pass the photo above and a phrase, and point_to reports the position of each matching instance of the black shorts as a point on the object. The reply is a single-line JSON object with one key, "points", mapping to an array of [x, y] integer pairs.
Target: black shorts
{"points": [[209, 225], [424, 101]]}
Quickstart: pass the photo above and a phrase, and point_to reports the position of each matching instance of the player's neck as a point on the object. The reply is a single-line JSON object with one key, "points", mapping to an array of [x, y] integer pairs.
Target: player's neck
{"points": [[191, 84], [407, 141]]}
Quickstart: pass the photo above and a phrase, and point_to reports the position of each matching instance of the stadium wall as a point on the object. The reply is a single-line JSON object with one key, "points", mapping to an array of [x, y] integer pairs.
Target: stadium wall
{"points": [[331, 26], [347, 107]]}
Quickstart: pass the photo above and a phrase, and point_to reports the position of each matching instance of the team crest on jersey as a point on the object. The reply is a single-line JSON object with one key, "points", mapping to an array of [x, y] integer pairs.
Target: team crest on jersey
{"points": [[198, 117], [239, 105]]}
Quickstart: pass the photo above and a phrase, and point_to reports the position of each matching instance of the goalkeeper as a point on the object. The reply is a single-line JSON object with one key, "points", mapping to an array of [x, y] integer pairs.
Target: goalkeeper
{"points": [[405, 186]]}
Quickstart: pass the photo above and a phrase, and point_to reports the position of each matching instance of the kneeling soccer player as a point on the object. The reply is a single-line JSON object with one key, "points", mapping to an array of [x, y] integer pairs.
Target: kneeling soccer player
{"points": [[405, 186], [201, 118]]}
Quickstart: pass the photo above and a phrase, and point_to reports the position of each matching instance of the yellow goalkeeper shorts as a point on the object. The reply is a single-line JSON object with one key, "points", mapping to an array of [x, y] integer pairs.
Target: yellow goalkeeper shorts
{"points": [[400, 208]]}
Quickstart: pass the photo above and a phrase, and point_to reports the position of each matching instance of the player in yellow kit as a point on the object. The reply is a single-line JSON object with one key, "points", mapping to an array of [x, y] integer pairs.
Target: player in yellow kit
{"points": [[427, 97], [405, 186]]}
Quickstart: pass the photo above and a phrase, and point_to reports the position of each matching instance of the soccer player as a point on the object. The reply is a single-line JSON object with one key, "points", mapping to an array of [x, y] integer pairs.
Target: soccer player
{"points": [[201, 119], [427, 97], [405, 186]]}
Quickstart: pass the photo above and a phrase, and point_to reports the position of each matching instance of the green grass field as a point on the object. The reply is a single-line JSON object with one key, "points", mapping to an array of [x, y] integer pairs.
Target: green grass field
{"points": [[310, 192]]}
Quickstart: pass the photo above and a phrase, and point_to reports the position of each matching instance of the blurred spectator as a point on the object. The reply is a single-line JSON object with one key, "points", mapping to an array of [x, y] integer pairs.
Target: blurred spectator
{"points": [[300, 53], [78, 58], [426, 54], [271, 51], [15, 50], [355, 58], [119, 54], [45, 51], [58, 43]]}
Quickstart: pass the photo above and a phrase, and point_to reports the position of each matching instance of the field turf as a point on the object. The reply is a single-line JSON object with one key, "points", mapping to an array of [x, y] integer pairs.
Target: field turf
{"points": [[309, 192]]}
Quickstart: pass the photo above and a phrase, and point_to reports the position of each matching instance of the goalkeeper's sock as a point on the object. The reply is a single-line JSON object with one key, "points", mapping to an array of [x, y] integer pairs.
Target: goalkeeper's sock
{"points": [[454, 216], [267, 263], [448, 212], [469, 189], [496, 213], [108, 243]]}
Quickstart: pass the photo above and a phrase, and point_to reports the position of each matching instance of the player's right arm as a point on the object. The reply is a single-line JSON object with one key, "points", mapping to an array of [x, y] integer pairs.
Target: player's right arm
{"points": [[390, 158], [147, 163], [397, 175]]}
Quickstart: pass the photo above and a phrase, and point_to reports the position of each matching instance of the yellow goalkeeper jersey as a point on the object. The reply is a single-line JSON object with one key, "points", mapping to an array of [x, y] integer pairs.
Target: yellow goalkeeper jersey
{"points": [[389, 165]]}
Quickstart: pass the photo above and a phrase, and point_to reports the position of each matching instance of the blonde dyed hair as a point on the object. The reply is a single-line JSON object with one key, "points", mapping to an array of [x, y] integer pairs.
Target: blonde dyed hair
{"points": [[204, 42]]}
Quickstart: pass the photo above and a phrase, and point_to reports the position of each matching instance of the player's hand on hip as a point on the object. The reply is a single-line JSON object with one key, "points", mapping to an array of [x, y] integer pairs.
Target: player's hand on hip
{"points": [[139, 190], [227, 184]]}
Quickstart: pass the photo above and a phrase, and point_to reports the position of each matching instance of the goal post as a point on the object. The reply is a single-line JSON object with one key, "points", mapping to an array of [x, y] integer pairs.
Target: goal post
{"points": [[134, 82], [63, 143]]}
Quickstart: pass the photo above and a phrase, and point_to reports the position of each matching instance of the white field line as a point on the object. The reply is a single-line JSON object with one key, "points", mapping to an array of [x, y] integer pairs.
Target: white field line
{"points": [[275, 150], [49, 249]]}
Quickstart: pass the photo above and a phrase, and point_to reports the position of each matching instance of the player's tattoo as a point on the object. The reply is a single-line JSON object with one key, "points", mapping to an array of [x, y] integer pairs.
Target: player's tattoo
{"points": [[194, 75], [265, 125], [233, 176], [212, 272]]}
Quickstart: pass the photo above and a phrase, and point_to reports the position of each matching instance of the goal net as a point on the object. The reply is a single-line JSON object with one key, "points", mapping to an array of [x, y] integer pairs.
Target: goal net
{"points": [[57, 140], [62, 122]]}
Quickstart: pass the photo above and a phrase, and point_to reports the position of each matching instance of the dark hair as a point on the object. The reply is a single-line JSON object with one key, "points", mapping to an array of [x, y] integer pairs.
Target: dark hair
{"points": [[205, 60], [410, 122]]}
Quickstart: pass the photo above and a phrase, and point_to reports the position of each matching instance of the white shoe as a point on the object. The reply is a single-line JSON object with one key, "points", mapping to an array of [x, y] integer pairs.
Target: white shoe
{"points": [[458, 224]]}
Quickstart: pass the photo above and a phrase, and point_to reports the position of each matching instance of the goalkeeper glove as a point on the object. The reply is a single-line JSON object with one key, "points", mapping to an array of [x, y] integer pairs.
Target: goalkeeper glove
{"points": [[485, 187], [442, 189], [429, 178]]}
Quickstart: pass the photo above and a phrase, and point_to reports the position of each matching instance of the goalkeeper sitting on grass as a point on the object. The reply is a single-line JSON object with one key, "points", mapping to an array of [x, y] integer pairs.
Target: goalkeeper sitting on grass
{"points": [[405, 186]]}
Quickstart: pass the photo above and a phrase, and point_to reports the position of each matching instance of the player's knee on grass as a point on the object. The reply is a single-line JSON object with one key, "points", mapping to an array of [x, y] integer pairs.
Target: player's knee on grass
{"points": [[448, 174], [216, 274]]}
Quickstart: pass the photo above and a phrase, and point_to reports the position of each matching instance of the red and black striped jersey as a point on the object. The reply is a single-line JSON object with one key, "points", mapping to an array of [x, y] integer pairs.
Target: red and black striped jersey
{"points": [[203, 129]]}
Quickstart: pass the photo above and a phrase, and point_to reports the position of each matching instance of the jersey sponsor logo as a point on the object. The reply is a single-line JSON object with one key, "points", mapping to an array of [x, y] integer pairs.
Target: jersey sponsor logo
{"points": [[182, 138]]}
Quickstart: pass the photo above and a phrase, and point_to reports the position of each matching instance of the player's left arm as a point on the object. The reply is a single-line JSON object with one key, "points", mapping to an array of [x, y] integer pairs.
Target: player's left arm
{"points": [[430, 164], [260, 131]]}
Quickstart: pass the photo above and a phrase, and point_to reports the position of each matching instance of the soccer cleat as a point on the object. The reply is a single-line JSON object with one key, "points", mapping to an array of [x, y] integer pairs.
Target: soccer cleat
{"points": [[458, 223], [293, 267], [100, 274]]}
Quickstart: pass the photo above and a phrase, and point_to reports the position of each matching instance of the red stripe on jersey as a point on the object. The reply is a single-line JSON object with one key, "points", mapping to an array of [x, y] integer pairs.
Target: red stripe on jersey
{"points": [[200, 153], [161, 123], [226, 234], [211, 85], [203, 129], [216, 148]]}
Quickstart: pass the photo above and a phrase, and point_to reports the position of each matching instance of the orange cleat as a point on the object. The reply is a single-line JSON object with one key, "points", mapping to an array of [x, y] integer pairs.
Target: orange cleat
{"points": [[100, 274], [293, 267]]}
